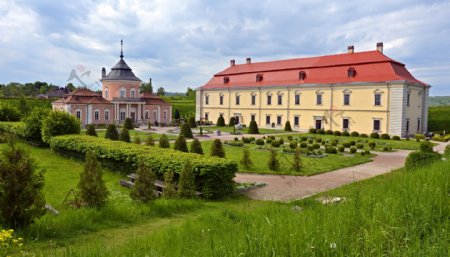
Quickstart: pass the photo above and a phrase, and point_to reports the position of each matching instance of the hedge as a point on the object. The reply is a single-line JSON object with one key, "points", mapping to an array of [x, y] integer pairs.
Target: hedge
{"points": [[213, 176]]}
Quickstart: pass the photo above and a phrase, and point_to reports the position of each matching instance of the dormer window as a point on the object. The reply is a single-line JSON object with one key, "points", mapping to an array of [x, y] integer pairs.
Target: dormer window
{"points": [[259, 77], [351, 72], [226, 80], [301, 75]]}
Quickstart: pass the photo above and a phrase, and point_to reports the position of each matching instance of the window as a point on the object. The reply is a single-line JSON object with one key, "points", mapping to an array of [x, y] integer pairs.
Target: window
{"points": [[351, 72], [78, 113], [155, 115], [206, 116], [226, 80], [319, 99], [132, 92], [418, 125], [280, 99], [221, 100], [253, 117], [146, 115], [408, 96], [345, 124], [253, 99], [346, 99], [122, 115], [123, 93], [296, 121], [106, 114], [301, 75], [165, 115], [106, 93], [377, 99], [376, 125], [238, 99], [206, 99], [297, 99], [278, 120], [96, 115], [269, 100], [407, 125], [259, 77], [267, 119]]}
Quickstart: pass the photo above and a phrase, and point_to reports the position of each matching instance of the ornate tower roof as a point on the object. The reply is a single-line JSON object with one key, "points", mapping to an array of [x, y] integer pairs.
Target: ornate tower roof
{"points": [[121, 71]]}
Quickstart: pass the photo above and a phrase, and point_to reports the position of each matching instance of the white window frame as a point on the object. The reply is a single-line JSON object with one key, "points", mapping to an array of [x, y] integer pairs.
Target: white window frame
{"points": [[133, 93], [165, 115], [106, 93], [106, 114], [297, 117], [78, 113], [96, 114], [124, 91], [373, 125]]}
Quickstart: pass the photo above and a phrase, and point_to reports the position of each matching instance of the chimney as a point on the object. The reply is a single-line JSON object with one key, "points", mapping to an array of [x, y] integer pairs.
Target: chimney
{"points": [[232, 62], [351, 49], [103, 72], [380, 47], [249, 60]]}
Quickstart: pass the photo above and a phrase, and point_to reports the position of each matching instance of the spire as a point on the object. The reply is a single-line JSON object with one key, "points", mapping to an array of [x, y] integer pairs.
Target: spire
{"points": [[121, 49]]}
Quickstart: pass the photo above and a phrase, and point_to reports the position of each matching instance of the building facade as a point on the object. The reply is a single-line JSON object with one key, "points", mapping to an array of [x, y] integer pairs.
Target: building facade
{"points": [[365, 92], [120, 99]]}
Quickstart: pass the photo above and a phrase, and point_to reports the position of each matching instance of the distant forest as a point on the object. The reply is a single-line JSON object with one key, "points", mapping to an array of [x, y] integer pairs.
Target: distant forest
{"points": [[439, 100]]}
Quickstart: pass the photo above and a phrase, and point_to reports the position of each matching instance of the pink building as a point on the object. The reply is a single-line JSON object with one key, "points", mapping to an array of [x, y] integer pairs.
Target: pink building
{"points": [[120, 99]]}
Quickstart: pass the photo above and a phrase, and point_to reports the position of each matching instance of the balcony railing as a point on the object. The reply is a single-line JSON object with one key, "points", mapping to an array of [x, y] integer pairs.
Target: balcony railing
{"points": [[127, 99]]}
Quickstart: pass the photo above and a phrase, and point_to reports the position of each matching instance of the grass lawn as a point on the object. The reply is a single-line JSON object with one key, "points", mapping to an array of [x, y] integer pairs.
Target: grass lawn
{"points": [[133, 133], [212, 129]]}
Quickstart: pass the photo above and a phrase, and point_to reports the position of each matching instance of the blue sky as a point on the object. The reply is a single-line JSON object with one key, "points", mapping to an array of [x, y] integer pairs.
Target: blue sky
{"points": [[183, 43]]}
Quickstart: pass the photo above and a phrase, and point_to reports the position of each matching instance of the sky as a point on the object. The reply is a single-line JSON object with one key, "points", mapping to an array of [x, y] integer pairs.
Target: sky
{"points": [[182, 43]]}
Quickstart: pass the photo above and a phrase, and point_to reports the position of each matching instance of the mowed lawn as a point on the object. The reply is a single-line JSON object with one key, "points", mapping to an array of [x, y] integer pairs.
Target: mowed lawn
{"points": [[136, 133], [213, 129]]}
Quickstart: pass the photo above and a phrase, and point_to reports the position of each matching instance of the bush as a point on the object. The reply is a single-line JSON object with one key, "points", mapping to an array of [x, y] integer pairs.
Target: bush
{"points": [[192, 123], [346, 144], [150, 141], [417, 160], [329, 132], [293, 144], [246, 140], [196, 147], [214, 176], [310, 141], [220, 121], [352, 150], [337, 133], [359, 146], [385, 136], [186, 184], [111, 132], [312, 131], [217, 149], [297, 161], [8, 113], [341, 149], [310, 148], [137, 140], [319, 140], [164, 141], [395, 138], [303, 145], [144, 185], [93, 190], [372, 145], [269, 140], [316, 146], [253, 128], [186, 131], [447, 151], [320, 131], [303, 139], [367, 152], [259, 141], [21, 197], [180, 144], [246, 160], [128, 124], [363, 135], [352, 142], [33, 125], [426, 147], [331, 150], [169, 189], [354, 134], [274, 163], [345, 134], [234, 143], [232, 121], [419, 137], [334, 143], [125, 135], [287, 126], [374, 135], [59, 123], [90, 130], [275, 143], [387, 148]]}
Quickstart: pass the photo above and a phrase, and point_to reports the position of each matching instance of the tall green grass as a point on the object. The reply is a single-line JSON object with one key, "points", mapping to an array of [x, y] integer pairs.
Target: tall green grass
{"points": [[402, 215]]}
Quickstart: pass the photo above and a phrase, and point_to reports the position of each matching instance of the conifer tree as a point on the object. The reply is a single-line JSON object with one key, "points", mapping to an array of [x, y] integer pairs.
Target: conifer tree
{"points": [[217, 149], [144, 185], [246, 160], [169, 189], [180, 144], [21, 197], [287, 126], [125, 135], [232, 121], [128, 124], [253, 128], [220, 121], [90, 130], [177, 114], [111, 132], [274, 163], [297, 161], [150, 141], [93, 190], [164, 141], [196, 146], [186, 185], [186, 131], [192, 123]]}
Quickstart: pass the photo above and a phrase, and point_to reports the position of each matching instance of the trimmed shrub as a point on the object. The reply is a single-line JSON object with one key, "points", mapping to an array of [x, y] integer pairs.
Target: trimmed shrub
{"points": [[395, 138], [59, 123], [287, 126], [220, 121], [354, 134], [293, 144], [90, 130], [128, 124], [426, 147], [125, 135], [246, 140], [303, 139], [269, 140], [320, 131], [186, 184], [196, 146], [310, 141], [372, 145], [352, 142], [8, 113], [367, 152], [337, 133], [341, 149], [352, 150], [164, 141], [180, 144], [385, 136], [387, 148], [319, 140], [259, 141], [150, 141], [111, 132], [213, 176], [93, 190], [246, 160], [253, 128], [363, 135], [331, 150], [329, 132], [232, 121], [186, 131], [192, 123], [303, 145], [275, 143], [274, 163], [419, 137], [316, 146], [359, 146], [217, 149], [312, 131], [374, 135], [310, 148], [417, 160], [144, 185], [334, 143], [33, 125], [346, 144], [345, 134]]}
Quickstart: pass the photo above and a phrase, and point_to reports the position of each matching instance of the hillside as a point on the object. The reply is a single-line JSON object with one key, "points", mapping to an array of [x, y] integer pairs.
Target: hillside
{"points": [[439, 100]]}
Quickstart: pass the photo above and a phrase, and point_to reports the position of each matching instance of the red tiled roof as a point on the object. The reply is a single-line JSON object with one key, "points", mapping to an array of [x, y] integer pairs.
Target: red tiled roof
{"points": [[371, 66], [83, 96], [84, 92], [153, 99]]}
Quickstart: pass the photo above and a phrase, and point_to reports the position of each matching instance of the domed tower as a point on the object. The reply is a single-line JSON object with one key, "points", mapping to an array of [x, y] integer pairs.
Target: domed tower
{"points": [[121, 87]]}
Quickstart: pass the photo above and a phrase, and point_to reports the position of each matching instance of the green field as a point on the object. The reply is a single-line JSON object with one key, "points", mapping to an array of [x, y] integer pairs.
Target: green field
{"points": [[31, 102], [231, 129], [439, 101], [439, 119], [184, 104]]}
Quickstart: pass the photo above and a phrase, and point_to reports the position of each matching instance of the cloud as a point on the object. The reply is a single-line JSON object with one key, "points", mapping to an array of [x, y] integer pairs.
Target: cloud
{"points": [[183, 43]]}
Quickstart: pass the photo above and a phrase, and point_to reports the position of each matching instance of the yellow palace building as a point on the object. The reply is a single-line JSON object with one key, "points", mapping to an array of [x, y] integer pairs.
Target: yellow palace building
{"points": [[356, 91]]}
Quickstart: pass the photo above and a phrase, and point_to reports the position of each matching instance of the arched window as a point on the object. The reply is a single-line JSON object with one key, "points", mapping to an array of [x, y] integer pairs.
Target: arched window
{"points": [[106, 93], [302, 75], [146, 115], [97, 115], [132, 93], [107, 114], [78, 114], [351, 72], [123, 92]]}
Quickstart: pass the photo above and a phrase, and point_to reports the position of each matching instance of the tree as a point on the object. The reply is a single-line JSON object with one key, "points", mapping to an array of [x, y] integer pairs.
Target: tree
{"points": [[246, 161], [232, 121], [125, 135], [177, 114], [253, 128], [128, 124], [21, 197], [190, 92], [93, 190], [111, 132], [192, 123], [150, 141], [90, 130], [70, 87], [217, 149], [146, 87], [161, 91], [274, 163], [186, 131], [164, 141], [33, 125], [137, 140], [180, 144], [297, 161], [287, 126], [186, 184], [169, 189], [144, 185], [220, 121], [23, 106], [196, 146], [59, 123], [8, 113]]}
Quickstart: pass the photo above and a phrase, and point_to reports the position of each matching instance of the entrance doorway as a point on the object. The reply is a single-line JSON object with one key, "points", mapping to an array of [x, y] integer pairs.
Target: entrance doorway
{"points": [[318, 124], [133, 116], [236, 120]]}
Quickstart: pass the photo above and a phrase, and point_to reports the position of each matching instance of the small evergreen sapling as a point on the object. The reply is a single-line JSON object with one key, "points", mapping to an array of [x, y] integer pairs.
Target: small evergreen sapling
{"points": [[297, 161], [93, 190], [186, 185], [220, 121], [125, 135], [274, 163], [186, 131], [287, 126], [196, 146], [246, 160], [164, 141], [253, 128], [128, 124], [232, 121], [169, 189], [150, 141], [192, 123], [217, 149], [144, 185], [180, 144], [90, 130], [111, 132]]}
